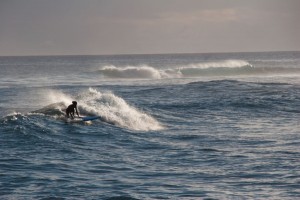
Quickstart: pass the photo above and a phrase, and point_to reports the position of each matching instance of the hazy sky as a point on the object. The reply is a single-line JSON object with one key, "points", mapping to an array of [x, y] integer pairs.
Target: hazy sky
{"points": [[55, 27]]}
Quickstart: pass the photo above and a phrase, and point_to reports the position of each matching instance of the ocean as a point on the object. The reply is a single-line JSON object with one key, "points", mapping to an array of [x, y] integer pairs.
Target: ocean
{"points": [[173, 126]]}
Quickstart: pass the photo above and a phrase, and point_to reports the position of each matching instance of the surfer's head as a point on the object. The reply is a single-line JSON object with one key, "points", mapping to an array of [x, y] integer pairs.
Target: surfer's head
{"points": [[74, 103]]}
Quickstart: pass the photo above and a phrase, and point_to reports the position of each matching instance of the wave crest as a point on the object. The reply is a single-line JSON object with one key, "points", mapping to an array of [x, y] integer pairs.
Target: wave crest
{"points": [[143, 71], [191, 70], [114, 109], [221, 64]]}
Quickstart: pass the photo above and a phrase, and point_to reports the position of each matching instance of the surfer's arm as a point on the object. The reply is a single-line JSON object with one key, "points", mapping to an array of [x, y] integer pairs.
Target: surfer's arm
{"points": [[76, 111]]}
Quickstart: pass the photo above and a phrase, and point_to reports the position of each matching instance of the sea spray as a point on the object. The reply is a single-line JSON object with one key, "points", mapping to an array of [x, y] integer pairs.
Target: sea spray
{"points": [[114, 109], [54, 95]]}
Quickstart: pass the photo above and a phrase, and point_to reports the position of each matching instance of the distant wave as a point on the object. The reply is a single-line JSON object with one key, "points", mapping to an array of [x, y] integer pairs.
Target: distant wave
{"points": [[226, 67], [220, 68], [220, 64], [111, 108], [131, 72]]}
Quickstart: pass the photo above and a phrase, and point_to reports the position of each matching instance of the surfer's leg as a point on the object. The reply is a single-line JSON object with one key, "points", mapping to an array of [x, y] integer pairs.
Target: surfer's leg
{"points": [[72, 115], [67, 114]]}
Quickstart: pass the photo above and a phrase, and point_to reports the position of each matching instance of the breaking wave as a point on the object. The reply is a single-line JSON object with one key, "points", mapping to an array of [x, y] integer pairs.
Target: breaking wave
{"points": [[190, 70], [220, 68], [111, 108], [131, 72]]}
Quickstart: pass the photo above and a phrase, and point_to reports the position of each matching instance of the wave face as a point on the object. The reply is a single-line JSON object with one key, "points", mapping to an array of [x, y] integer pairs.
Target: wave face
{"points": [[111, 108]]}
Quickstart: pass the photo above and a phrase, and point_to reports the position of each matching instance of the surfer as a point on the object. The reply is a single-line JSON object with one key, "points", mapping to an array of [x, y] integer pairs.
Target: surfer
{"points": [[70, 110]]}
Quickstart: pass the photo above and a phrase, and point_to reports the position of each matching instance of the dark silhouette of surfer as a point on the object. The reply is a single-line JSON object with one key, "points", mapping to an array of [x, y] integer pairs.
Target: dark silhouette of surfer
{"points": [[71, 110]]}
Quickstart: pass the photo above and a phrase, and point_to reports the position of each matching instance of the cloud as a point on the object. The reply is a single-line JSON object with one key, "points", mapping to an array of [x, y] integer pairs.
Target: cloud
{"points": [[202, 16], [143, 26]]}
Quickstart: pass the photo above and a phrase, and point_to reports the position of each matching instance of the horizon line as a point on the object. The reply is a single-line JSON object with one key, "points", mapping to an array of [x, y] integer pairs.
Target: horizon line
{"points": [[140, 54]]}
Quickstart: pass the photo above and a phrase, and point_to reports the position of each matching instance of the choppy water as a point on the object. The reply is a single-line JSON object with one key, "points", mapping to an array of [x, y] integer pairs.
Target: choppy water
{"points": [[183, 126]]}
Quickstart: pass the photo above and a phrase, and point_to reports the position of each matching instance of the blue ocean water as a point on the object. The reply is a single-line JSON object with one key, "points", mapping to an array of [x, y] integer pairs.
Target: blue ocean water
{"points": [[178, 126]]}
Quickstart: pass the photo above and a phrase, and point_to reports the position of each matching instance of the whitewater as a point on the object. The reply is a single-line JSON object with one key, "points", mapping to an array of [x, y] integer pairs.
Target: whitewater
{"points": [[172, 126]]}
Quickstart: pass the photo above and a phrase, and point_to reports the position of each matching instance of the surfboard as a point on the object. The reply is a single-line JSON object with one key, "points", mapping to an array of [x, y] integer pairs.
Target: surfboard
{"points": [[90, 118], [82, 119]]}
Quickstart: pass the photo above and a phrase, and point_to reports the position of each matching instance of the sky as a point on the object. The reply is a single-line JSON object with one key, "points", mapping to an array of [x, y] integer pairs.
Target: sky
{"points": [[101, 27]]}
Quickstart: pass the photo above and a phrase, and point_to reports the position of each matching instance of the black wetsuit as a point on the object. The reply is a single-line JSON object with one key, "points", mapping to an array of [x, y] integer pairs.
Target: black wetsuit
{"points": [[70, 110]]}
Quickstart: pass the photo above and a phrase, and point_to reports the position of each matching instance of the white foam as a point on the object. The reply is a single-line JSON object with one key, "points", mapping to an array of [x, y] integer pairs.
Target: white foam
{"points": [[144, 72], [111, 108], [219, 64], [114, 109], [193, 69]]}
